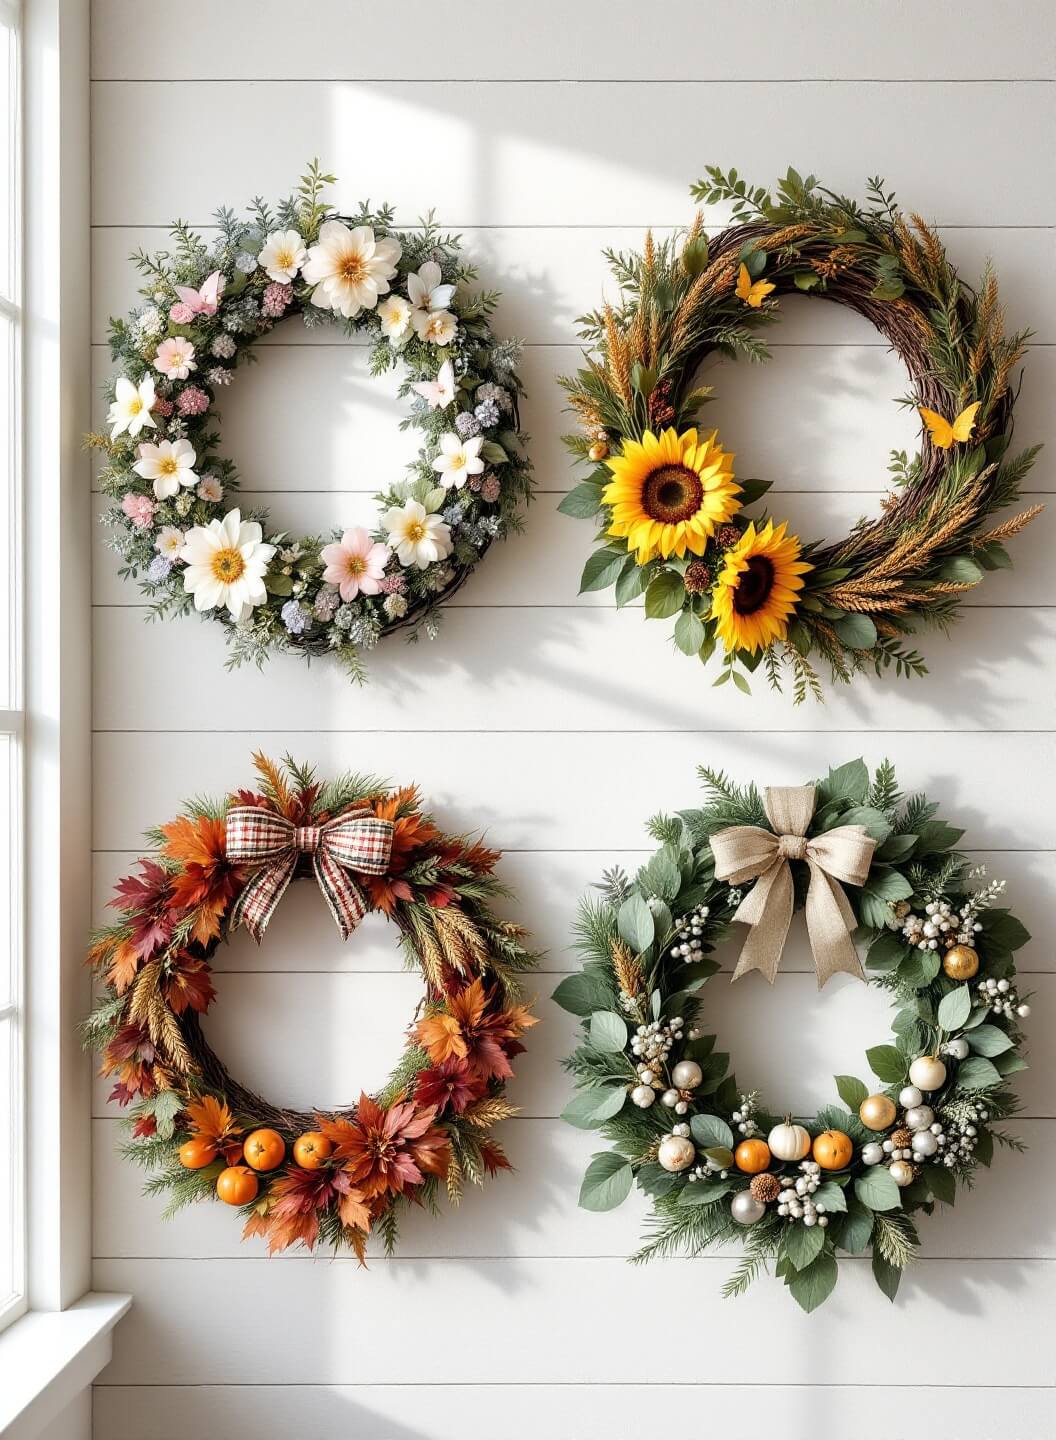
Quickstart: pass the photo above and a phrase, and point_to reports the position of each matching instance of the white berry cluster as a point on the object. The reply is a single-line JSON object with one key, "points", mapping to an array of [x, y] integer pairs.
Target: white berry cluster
{"points": [[960, 1134], [744, 1118], [688, 942], [941, 925], [796, 1200], [651, 1045], [1000, 996]]}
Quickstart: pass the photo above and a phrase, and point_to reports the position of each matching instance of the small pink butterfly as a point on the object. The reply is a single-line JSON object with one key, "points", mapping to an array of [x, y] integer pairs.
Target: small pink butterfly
{"points": [[206, 300], [440, 392]]}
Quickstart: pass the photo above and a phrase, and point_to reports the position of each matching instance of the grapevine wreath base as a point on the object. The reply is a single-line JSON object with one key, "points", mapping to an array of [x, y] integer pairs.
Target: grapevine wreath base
{"points": [[176, 520], [306, 1176], [671, 517], [716, 1163]]}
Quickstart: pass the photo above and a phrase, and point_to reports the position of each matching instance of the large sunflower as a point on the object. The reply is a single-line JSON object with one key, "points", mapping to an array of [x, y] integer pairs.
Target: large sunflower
{"points": [[757, 589], [669, 492]]}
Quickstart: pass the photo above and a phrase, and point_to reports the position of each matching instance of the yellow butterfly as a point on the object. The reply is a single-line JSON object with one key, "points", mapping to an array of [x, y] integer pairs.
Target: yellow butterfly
{"points": [[755, 294], [944, 433]]}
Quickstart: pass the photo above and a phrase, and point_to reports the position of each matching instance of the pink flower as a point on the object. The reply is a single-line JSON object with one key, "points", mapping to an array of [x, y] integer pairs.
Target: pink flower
{"points": [[181, 314], [355, 564], [139, 509], [162, 406], [490, 488], [175, 358], [276, 299], [393, 585], [192, 401]]}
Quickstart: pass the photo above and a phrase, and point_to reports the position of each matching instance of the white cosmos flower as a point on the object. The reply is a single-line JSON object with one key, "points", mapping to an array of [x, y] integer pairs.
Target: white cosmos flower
{"points": [[226, 561], [210, 489], [458, 460], [418, 538], [131, 407], [426, 291], [436, 326], [440, 392], [169, 464], [169, 542], [175, 358], [394, 313], [350, 269], [282, 256]]}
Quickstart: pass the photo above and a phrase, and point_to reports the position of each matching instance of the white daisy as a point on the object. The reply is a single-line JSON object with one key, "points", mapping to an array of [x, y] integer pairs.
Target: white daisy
{"points": [[282, 256], [418, 538], [458, 460], [169, 542], [435, 326], [131, 407], [169, 464], [350, 269], [394, 312], [226, 562]]}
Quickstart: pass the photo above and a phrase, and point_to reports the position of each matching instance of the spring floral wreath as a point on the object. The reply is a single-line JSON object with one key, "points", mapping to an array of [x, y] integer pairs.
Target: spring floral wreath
{"points": [[715, 1163], [670, 512], [310, 1177], [177, 525]]}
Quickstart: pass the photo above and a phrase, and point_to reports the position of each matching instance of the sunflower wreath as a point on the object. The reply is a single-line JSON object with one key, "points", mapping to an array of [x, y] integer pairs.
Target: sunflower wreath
{"points": [[716, 1164], [176, 522], [304, 1177], [670, 512]]}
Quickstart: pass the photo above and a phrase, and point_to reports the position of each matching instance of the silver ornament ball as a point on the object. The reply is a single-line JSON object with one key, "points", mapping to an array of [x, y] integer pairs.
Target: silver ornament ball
{"points": [[957, 1047], [872, 1153], [669, 1098], [924, 1143], [920, 1117], [746, 1209], [687, 1075], [909, 1097]]}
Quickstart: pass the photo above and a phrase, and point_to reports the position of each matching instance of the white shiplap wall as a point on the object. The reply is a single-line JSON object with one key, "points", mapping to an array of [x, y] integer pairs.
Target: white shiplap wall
{"points": [[545, 133]]}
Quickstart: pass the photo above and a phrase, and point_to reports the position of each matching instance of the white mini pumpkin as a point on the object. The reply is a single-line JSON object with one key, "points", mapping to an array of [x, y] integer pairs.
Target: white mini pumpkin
{"points": [[788, 1141]]}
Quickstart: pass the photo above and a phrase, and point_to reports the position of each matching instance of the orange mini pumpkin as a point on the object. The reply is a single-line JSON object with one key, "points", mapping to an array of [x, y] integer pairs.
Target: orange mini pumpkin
{"points": [[311, 1149], [264, 1149], [236, 1185], [198, 1153], [833, 1150], [752, 1156]]}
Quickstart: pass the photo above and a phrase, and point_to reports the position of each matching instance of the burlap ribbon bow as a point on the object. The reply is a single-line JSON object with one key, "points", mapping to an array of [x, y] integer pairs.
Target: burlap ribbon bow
{"points": [[356, 840], [747, 852]]}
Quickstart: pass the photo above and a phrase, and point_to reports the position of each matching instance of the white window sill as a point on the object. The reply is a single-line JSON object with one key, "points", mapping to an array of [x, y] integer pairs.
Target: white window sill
{"points": [[48, 1357]]}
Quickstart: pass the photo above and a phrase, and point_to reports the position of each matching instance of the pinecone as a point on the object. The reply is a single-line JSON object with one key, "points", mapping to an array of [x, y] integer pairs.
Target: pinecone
{"points": [[661, 411], [765, 1188], [901, 1138], [697, 578], [727, 536]]}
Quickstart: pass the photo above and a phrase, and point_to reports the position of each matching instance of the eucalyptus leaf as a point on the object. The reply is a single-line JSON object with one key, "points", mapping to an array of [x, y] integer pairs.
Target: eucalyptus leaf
{"points": [[635, 923], [607, 1182], [812, 1286], [709, 1130], [877, 1190], [608, 1031], [954, 1008], [593, 1105]]}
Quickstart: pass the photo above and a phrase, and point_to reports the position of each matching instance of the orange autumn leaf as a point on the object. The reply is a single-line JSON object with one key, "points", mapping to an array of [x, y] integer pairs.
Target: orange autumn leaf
{"points": [[206, 884], [123, 966], [352, 1211], [212, 1119], [440, 1036]]}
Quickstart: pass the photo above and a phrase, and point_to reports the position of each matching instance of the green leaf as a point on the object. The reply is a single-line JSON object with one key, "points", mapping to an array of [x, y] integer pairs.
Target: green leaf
{"points": [[583, 501], [493, 454], [591, 1107], [857, 1229], [851, 1091], [812, 1286], [695, 255], [941, 1183], [888, 884], [806, 279], [607, 1182], [583, 993], [832, 1197], [896, 848], [962, 569], [954, 1008], [887, 1276], [662, 875], [877, 1190], [977, 1073], [1002, 931], [886, 952], [602, 569], [887, 1064], [873, 822], [709, 1130], [629, 586], [803, 1244], [989, 1040], [608, 1031], [887, 290], [720, 1155], [278, 584], [665, 596], [635, 923], [689, 633], [703, 1193], [857, 632], [846, 782], [165, 1107]]}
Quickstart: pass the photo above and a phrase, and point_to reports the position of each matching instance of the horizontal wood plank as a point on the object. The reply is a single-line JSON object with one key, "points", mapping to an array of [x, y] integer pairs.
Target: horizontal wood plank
{"points": [[601, 163]]}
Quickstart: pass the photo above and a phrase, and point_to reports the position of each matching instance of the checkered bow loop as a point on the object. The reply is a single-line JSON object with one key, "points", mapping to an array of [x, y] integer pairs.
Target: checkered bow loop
{"points": [[354, 841]]}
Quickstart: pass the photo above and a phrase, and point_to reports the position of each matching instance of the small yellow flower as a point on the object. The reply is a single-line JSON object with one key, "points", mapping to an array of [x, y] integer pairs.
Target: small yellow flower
{"points": [[669, 492], [757, 589], [752, 294]]}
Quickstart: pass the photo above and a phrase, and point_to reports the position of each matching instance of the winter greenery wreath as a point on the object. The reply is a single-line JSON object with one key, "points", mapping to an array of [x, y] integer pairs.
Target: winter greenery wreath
{"points": [[670, 514], [309, 1177], [714, 1161], [175, 526]]}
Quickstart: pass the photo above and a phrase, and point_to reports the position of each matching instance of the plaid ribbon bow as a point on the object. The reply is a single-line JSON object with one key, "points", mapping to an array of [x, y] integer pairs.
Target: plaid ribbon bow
{"points": [[356, 840]]}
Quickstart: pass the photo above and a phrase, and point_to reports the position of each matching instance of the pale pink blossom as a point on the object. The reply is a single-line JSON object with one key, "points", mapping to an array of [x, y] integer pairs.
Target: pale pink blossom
{"points": [[175, 358], [181, 314], [192, 401], [139, 509], [355, 563]]}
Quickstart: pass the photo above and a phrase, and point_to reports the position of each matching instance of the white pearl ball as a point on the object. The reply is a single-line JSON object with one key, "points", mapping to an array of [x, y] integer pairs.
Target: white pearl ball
{"points": [[909, 1097], [687, 1075], [901, 1173], [1023, 1011], [669, 1098], [675, 1153], [958, 1048], [924, 1143], [643, 1096], [746, 1209], [928, 1072], [872, 1153], [921, 1117]]}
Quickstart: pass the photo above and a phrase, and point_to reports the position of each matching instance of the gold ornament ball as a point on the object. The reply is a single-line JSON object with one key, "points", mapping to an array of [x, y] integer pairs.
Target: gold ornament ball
{"points": [[676, 1153], [877, 1112], [902, 1173], [961, 962]]}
